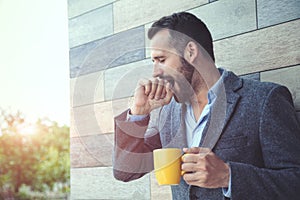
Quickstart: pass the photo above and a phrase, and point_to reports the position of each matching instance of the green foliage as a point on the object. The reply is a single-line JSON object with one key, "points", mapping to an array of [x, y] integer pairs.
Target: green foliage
{"points": [[35, 155]]}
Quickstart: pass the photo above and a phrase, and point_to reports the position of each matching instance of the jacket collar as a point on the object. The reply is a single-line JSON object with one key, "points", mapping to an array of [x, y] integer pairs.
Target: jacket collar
{"points": [[222, 110]]}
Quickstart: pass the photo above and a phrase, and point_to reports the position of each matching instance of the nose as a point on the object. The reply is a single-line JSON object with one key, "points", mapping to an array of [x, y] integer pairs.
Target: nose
{"points": [[157, 70]]}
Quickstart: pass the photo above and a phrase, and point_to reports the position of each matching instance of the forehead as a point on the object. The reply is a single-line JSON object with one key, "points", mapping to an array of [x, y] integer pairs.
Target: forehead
{"points": [[160, 44]]}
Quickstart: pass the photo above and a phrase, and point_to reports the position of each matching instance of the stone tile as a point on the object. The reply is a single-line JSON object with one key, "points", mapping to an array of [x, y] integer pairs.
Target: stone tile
{"points": [[288, 77], [99, 183], [96, 118], [147, 41], [132, 13], [121, 81], [84, 119], [159, 192], [85, 28], [219, 17], [120, 105], [265, 49], [87, 89], [92, 150], [78, 7], [119, 49], [254, 76], [270, 12], [81, 60], [227, 18], [92, 119]]}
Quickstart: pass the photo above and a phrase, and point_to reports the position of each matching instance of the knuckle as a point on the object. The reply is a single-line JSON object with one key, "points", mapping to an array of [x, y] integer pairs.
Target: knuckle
{"points": [[197, 168], [183, 166], [199, 159], [205, 178], [154, 81], [185, 177], [206, 167], [161, 82]]}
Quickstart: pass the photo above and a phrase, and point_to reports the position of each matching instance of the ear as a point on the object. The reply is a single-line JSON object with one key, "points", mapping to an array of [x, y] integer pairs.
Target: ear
{"points": [[191, 52]]}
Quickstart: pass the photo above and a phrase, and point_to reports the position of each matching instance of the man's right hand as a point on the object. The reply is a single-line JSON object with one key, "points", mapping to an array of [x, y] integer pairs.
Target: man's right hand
{"points": [[150, 94]]}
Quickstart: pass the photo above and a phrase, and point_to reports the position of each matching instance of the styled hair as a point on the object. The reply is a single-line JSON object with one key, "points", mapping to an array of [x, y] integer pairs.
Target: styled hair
{"points": [[184, 24]]}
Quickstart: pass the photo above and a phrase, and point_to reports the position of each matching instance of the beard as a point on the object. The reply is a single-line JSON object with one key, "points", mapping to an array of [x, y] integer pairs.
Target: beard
{"points": [[185, 90], [187, 70], [181, 82]]}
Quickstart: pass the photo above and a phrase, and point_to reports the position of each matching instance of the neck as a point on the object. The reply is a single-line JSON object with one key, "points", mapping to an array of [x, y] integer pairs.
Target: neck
{"points": [[200, 96], [200, 89], [198, 103], [202, 81], [204, 77]]}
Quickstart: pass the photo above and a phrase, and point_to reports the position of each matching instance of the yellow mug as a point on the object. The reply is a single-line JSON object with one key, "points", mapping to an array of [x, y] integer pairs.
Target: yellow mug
{"points": [[167, 165]]}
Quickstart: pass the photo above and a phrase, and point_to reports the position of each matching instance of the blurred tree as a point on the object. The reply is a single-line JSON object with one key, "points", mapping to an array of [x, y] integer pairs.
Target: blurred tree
{"points": [[36, 154]]}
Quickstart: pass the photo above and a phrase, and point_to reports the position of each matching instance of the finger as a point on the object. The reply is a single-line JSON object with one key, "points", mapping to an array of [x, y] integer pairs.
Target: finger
{"points": [[195, 177], [140, 89], [190, 158], [195, 157], [144, 85], [169, 93], [168, 87], [160, 86], [164, 92], [139, 92], [196, 150], [153, 88], [189, 167], [191, 150], [148, 87]]}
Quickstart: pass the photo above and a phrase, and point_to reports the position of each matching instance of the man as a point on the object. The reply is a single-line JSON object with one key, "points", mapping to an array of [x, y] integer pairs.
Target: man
{"points": [[240, 138]]}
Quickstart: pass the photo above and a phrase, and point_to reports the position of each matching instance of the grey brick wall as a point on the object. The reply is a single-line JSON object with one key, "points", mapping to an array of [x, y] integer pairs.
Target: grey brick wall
{"points": [[108, 53]]}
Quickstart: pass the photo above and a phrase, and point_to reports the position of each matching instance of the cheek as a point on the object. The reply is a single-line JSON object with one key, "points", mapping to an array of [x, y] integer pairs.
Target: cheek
{"points": [[172, 70], [187, 73]]}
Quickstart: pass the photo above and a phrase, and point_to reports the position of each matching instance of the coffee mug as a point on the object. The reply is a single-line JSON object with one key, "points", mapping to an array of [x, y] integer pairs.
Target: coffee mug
{"points": [[167, 165]]}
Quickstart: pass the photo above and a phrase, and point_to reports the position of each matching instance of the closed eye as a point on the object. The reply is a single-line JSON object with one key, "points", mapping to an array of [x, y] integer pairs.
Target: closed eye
{"points": [[160, 59]]}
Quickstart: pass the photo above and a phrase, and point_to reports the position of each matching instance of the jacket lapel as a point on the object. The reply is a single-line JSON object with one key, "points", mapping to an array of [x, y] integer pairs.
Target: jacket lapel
{"points": [[222, 110], [174, 134], [182, 128], [178, 127]]}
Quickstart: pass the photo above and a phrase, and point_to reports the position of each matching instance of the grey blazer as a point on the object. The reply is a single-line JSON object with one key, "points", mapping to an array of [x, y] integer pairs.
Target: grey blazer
{"points": [[254, 129]]}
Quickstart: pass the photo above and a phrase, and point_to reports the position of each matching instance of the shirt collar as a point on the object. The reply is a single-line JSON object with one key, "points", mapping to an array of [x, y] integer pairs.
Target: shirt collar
{"points": [[213, 91]]}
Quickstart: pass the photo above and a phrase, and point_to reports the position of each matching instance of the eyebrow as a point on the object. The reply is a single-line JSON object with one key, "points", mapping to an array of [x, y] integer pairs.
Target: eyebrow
{"points": [[157, 57]]}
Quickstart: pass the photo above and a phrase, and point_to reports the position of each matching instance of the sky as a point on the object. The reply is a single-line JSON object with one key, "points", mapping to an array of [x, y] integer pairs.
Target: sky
{"points": [[34, 60]]}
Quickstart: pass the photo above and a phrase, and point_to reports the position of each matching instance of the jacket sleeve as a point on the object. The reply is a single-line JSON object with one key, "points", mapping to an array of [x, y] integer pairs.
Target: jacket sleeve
{"points": [[133, 146], [279, 135]]}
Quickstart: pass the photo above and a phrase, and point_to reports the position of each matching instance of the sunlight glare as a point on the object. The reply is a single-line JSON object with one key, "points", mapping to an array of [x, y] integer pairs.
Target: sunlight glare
{"points": [[27, 129]]}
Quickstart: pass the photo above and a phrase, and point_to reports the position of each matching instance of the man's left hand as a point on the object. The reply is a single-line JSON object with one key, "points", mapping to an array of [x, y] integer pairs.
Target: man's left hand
{"points": [[204, 169]]}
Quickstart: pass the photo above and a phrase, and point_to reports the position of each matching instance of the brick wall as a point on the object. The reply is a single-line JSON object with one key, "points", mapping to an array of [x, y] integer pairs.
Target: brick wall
{"points": [[108, 53]]}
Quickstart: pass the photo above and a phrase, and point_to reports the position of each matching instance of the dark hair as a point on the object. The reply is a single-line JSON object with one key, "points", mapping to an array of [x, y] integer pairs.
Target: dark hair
{"points": [[189, 25]]}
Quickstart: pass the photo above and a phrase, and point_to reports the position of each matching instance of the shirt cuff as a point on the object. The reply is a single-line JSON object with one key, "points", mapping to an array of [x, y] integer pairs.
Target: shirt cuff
{"points": [[134, 118], [227, 191]]}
